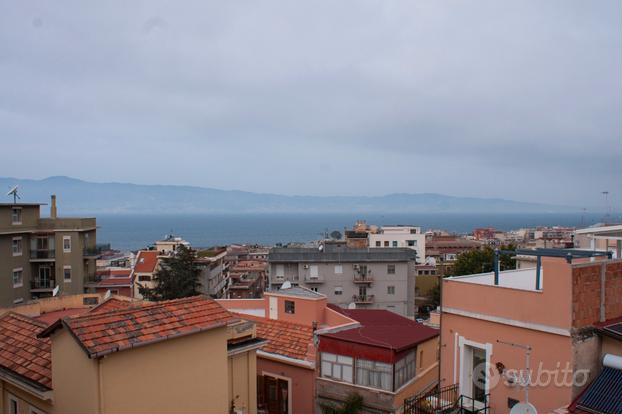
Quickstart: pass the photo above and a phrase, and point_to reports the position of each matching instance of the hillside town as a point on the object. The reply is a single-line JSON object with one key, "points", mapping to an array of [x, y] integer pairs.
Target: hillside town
{"points": [[385, 318]]}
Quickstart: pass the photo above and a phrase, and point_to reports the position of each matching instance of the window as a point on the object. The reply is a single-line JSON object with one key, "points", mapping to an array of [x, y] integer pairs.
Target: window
{"points": [[374, 374], [66, 244], [90, 301], [386, 243], [313, 272], [391, 269], [338, 290], [337, 367], [405, 369], [67, 274], [34, 410], [314, 289], [18, 278], [13, 405], [280, 271], [17, 246], [412, 243], [394, 243], [18, 300], [290, 306], [16, 215], [144, 278], [338, 269], [390, 290], [378, 243]]}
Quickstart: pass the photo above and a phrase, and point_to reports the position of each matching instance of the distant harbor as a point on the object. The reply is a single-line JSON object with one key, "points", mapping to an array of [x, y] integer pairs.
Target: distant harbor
{"points": [[132, 232]]}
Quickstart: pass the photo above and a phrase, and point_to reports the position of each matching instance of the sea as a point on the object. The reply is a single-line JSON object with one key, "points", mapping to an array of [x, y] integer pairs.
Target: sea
{"points": [[133, 232]]}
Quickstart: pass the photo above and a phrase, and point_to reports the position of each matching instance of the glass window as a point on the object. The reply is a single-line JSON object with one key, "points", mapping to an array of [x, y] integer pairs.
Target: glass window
{"points": [[378, 243], [16, 216], [338, 269], [280, 270], [391, 290], [313, 271], [338, 367], [290, 306], [338, 290], [67, 273], [412, 243], [144, 278], [405, 369], [67, 244], [13, 405], [391, 269], [374, 374], [17, 246], [386, 243], [394, 243], [18, 278]]}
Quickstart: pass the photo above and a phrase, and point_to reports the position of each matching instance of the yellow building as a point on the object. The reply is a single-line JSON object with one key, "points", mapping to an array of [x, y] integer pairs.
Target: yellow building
{"points": [[186, 355]]}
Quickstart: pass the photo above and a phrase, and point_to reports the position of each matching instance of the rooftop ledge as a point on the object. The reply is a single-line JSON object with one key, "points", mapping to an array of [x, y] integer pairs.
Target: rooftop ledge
{"points": [[522, 279]]}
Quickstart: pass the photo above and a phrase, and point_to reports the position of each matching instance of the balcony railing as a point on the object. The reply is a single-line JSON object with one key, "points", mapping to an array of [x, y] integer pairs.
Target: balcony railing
{"points": [[309, 279], [363, 298], [363, 278], [42, 253], [42, 284], [91, 251]]}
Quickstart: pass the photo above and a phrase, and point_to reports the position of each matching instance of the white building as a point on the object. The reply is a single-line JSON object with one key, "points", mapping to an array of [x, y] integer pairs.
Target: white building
{"points": [[400, 236]]}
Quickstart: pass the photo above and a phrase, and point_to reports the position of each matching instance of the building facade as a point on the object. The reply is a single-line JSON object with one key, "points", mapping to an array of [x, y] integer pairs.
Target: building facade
{"points": [[39, 254], [379, 278], [400, 236]]}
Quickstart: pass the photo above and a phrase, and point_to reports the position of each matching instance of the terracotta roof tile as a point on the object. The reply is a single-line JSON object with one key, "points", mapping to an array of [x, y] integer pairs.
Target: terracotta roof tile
{"points": [[284, 338], [101, 333], [146, 261], [22, 352], [113, 304]]}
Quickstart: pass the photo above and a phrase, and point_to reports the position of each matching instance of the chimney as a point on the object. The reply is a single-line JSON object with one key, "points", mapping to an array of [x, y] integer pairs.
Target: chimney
{"points": [[314, 325], [53, 207]]}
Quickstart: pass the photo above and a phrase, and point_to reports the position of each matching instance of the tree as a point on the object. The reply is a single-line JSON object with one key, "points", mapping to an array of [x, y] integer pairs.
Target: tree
{"points": [[482, 261], [335, 235], [178, 277], [352, 405]]}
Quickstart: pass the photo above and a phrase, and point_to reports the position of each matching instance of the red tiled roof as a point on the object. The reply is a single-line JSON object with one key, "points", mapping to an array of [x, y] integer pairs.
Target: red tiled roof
{"points": [[104, 333], [22, 352], [113, 304], [146, 261], [383, 329], [284, 338], [51, 317]]}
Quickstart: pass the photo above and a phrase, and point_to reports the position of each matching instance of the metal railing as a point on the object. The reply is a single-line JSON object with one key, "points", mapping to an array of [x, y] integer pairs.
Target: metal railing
{"points": [[363, 298], [434, 401], [471, 405], [42, 253], [42, 283], [363, 278]]}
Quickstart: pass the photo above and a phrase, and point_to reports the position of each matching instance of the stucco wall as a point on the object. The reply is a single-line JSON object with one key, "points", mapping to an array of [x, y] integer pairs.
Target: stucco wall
{"points": [[302, 383]]}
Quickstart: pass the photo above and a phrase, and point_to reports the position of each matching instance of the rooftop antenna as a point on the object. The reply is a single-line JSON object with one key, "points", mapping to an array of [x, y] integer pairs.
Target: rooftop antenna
{"points": [[13, 192], [606, 195]]}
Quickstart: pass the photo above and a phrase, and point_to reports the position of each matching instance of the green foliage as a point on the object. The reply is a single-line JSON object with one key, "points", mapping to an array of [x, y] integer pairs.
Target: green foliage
{"points": [[482, 261], [352, 405], [335, 235], [178, 277]]}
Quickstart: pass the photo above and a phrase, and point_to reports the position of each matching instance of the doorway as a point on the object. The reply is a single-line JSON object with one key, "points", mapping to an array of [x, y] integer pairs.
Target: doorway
{"points": [[276, 395]]}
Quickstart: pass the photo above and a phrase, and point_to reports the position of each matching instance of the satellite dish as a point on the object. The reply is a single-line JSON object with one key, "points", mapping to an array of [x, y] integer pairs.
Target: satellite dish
{"points": [[286, 285], [13, 192], [524, 408], [55, 290], [321, 247], [351, 305], [107, 295]]}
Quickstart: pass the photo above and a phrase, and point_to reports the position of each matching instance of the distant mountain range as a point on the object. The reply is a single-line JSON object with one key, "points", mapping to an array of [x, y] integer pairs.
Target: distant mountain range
{"points": [[82, 197]]}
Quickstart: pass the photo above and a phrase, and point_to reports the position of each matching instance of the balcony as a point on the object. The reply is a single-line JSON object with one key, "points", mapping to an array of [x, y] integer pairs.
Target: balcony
{"points": [[42, 254], [91, 252], [366, 279], [363, 299], [313, 280], [42, 284]]}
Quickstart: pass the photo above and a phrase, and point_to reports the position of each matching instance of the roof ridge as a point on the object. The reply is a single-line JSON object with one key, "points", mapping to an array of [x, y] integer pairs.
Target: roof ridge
{"points": [[150, 305], [264, 319], [24, 318]]}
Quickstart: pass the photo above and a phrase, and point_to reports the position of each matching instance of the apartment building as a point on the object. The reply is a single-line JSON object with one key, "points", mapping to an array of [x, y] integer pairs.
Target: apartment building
{"points": [[380, 278], [146, 265], [443, 251], [385, 360], [39, 254], [492, 323], [214, 269], [399, 236], [186, 355]]}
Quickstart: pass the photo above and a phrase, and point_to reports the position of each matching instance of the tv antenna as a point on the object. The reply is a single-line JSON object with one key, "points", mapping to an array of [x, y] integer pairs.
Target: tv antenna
{"points": [[526, 407], [606, 195], [13, 192]]}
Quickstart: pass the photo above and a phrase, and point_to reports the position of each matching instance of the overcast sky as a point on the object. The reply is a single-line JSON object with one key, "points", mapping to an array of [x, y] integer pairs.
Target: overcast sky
{"points": [[520, 100]]}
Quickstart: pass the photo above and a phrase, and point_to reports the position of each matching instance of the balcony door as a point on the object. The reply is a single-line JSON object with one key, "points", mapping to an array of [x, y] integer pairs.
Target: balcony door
{"points": [[276, 394]]}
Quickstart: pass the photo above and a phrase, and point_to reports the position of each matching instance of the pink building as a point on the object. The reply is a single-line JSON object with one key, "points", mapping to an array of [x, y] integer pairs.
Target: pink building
{"points": [[286, 367], [491, 322]]}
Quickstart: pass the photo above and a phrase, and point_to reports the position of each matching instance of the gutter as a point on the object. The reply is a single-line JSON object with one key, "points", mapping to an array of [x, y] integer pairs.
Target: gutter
{"points": [[39, 391]]}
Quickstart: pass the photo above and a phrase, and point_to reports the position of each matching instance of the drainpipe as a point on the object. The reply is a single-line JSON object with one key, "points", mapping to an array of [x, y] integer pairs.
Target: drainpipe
{"points": [[496, 267], [603, 279], [538, 271], [100, 383]]}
